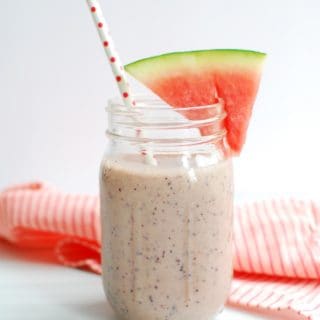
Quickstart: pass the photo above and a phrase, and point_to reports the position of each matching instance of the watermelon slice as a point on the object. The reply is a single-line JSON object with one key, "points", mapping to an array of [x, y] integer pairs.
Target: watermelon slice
{"points": [[198, 78]]}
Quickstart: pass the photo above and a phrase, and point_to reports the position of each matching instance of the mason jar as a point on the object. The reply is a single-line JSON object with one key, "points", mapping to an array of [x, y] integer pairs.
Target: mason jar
{"points": [[166, 190]]}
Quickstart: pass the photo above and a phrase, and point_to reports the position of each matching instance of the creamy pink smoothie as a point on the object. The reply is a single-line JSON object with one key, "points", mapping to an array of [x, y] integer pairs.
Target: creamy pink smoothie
{"points": [[167, 233]]}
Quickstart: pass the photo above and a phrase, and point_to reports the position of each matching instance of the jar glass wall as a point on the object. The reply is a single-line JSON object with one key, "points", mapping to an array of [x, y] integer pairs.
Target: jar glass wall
{"points": [[166, 189]]}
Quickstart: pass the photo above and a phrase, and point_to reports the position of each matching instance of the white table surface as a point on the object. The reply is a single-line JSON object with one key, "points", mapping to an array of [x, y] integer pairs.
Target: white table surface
{"points": [[33, 289]]}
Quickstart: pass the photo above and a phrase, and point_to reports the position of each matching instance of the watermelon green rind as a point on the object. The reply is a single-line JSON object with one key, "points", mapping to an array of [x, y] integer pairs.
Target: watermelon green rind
{"points": [[153, 67], [197, 78]]}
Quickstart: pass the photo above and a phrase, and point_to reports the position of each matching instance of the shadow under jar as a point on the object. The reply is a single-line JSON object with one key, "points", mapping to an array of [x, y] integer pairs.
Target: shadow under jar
{"points": [[166, 210]]}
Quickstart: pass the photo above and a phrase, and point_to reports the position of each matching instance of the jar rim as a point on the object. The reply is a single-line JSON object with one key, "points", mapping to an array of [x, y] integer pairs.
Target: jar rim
{"points": [[152, 121], [143, 102]]}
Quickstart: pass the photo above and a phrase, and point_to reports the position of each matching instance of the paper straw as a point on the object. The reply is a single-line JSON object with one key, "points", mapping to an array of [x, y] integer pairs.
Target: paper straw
{"points": [[116, 66], [111, 53]]}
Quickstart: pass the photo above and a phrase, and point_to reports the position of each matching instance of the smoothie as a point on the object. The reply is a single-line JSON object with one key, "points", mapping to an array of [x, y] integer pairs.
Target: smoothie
{"points": [[167, 233]]}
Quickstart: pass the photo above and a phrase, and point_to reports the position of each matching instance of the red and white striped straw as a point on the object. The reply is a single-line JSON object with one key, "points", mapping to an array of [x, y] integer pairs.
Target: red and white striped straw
{"points": [[111, 52]]}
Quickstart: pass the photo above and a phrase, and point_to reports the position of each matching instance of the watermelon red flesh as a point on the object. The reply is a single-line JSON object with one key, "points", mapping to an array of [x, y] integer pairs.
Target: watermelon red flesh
{"points": [[198, 78]]}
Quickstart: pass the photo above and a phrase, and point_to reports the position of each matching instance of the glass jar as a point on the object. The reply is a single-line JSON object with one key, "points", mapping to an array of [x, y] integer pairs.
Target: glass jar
{"points": [[166, 189]]}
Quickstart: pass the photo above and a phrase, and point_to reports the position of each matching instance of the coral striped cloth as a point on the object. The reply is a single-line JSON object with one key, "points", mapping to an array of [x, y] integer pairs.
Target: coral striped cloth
{"points": [[277, 244]]}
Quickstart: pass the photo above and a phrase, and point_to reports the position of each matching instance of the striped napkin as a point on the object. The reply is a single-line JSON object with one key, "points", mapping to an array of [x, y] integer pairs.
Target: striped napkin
{"points": [[277, 244]]}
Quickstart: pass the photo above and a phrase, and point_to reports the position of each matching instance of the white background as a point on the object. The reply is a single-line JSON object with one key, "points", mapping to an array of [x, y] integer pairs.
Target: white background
{"points": [[54, 84], [55, 81]]}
